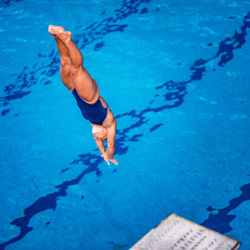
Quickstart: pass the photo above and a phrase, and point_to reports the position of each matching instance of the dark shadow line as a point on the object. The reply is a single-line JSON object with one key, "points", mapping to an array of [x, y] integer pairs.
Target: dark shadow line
{"points": [[95, 32], [220, 222], [49, 201]]}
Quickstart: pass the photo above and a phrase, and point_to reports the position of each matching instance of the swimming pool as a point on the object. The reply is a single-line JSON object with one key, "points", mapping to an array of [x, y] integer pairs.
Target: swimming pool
{"points": [[176, 77]]}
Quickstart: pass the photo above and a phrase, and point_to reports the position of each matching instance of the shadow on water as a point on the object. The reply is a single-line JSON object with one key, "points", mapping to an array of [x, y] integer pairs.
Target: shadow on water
{"points": [[94, 33], [173, 93], [221, 221], [50, 200], [7, 3]]}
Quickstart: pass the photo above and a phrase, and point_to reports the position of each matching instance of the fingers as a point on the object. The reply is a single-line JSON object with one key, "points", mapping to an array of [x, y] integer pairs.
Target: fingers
{"points": [[103, 156], [107, 161], [114, 161]]}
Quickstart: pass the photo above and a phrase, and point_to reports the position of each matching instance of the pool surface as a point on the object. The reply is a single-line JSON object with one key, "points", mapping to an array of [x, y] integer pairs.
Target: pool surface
{"points": [[176, 76]]}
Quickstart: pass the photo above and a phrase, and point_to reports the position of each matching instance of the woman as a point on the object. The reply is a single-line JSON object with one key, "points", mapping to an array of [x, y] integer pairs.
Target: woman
{"points": [[86, 92]]}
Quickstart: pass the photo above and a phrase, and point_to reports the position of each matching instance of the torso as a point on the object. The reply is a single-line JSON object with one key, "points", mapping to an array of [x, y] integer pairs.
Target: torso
{"points": [[110, 117]]}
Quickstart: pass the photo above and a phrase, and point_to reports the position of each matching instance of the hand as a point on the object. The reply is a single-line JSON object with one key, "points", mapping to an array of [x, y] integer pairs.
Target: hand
{"points": [[109, 157]]}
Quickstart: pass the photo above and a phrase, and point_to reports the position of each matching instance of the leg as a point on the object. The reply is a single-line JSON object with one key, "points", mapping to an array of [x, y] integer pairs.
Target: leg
{"points": [[84, 84], [65, 69]]}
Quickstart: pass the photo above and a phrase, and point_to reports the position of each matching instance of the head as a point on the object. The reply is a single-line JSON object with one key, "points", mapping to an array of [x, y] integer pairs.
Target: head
{"points": [[99, 132]]}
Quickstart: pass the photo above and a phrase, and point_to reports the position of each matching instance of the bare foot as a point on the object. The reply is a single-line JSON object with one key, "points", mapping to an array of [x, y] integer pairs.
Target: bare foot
{"points": [[59, 32]]}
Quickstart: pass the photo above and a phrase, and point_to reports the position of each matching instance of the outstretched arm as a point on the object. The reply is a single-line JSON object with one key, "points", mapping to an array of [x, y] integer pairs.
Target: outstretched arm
{"points": [[111, 132], [100, 145]]}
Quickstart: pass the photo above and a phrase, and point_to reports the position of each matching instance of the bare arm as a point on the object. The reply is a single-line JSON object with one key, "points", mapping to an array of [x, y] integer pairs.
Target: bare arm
{"points": [[100, 145], [108, 155], [111, 132], [110, 127]]}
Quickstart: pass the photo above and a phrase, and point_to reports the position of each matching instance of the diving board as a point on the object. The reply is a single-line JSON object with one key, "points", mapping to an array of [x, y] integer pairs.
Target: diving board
{"points": [[177, 233]]}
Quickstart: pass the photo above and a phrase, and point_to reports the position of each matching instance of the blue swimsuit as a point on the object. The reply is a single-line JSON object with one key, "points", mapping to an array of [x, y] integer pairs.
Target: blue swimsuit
{"points": [[95, 112]]}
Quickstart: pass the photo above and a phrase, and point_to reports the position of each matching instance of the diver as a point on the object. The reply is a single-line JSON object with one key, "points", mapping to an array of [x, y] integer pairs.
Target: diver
{"points": [[86, 92]]}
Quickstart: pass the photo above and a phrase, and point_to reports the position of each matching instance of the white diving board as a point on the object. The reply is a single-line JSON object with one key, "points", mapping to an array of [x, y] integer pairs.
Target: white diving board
{"points": [[177, 233]]}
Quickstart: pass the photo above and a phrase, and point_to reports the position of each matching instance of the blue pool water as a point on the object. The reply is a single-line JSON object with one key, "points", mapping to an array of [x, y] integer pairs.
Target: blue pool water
{"points": [[176, 76]]}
